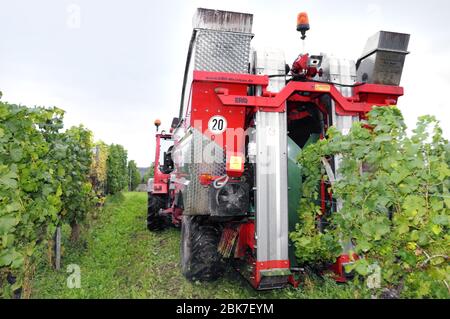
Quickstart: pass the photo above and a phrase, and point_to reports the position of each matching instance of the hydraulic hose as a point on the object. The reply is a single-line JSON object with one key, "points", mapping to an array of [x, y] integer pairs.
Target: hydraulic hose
{"points": [[220, 182]]}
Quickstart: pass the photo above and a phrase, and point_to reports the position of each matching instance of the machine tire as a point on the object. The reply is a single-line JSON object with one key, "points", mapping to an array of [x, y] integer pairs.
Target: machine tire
{"points": [[154, 204], [200, 259]]}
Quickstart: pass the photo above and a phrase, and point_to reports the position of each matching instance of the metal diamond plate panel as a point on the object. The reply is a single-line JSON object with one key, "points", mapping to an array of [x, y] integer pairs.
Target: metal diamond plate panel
{"points": [[195, 197], [222, 51]]}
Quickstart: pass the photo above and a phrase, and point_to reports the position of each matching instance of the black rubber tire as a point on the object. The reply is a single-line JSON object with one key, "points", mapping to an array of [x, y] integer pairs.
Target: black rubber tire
{"points": [[200, 259], [154, 204]]}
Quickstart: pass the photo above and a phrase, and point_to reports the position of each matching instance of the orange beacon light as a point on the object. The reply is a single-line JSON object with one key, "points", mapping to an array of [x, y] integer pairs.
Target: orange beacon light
{"points": [[157, 124], [303, 24]]}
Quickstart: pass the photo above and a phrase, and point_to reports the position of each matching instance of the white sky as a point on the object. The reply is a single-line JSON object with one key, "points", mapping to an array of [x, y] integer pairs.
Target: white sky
{"points": [[120, 66]]}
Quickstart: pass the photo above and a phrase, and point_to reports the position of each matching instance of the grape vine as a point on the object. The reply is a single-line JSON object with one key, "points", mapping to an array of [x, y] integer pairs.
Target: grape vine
{"points": [[133, 175], [98, 167], [45, 181], [117, 173], [394, 192]]}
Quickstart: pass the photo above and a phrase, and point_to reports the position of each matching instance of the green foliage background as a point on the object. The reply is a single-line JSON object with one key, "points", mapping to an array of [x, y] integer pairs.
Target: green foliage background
{"points": [[30, 186], [133, 175], [45, 181], [149, 173], [395, 197], [77, 191], [117, 172], [394, 191], [98, 172]]}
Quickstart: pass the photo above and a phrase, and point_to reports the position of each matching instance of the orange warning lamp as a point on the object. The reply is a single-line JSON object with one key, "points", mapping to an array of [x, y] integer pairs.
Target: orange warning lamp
{"points": [[157, 124], [303, 24]]}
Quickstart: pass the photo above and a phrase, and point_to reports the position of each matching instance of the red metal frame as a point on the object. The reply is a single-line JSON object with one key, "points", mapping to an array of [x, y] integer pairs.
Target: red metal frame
{"points": [[227, 94], [339, 266], [246, 239], [160, 180], [364, 98], [176, 213]]}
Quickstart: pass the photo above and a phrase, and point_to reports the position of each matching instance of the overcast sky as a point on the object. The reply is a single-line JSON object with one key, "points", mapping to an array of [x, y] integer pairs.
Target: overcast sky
{"points": [[115, 66]]}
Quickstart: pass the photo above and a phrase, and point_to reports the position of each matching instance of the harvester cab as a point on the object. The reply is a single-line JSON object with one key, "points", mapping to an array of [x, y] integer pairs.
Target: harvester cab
{"points": [[234, 183]]}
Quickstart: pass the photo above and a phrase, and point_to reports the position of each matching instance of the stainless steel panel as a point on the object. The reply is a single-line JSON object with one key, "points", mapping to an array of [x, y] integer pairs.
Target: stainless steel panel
{"points": [[340, 71], [193, 156], [271, 187], [220, 42], [344, 72], [223, 20], [270, 62], [383, 58], [382, 68], [219, 51], [388, 41]]}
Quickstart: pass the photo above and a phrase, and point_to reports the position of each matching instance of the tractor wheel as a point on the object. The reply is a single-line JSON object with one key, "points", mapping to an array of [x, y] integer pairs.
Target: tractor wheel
{"points": [[155, 204], [200, 259]]}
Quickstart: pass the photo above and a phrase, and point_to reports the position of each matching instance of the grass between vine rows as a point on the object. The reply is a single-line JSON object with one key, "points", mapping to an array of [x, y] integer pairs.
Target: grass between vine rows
{"points": [[120, 258]]}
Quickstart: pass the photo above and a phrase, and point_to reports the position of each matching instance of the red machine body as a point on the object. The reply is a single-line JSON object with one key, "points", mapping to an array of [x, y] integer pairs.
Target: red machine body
{"points": [[212, 182], [227, 94], [160, 184], [160, 179]]}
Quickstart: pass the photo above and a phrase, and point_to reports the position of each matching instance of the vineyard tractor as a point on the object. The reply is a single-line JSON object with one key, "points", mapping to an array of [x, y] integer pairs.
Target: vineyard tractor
{"points": [[230, 178]]}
